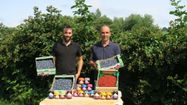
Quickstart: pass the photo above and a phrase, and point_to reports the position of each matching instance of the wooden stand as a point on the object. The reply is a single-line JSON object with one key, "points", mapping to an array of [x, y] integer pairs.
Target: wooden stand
{"points": [[82, 101]]}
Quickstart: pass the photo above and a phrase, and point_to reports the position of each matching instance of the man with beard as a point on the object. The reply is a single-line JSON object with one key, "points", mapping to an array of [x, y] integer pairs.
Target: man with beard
{"points": [[67, 55]]}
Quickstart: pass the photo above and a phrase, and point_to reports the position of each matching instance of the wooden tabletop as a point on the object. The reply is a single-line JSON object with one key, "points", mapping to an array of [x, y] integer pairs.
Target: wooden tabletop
{"points": [[81, 101]]}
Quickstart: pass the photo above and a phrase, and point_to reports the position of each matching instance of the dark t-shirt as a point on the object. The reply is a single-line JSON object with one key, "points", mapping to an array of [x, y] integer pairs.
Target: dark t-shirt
{"points": [[66, 57], [99, 52]]}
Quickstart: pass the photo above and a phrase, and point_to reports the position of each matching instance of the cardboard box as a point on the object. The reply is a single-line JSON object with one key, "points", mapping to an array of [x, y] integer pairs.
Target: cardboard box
{"points": [[63, 82], [45, 65]]}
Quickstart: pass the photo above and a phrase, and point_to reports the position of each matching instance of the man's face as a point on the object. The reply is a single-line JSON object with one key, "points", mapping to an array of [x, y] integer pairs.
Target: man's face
{"points": [[67, 34], [105, 33]]}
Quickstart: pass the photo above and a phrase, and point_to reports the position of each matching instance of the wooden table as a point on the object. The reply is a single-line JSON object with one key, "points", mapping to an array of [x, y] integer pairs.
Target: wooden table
{"points": [[81, 101]]}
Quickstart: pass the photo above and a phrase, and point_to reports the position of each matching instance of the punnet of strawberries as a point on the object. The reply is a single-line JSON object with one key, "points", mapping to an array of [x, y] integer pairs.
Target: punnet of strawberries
{"points": [[107, 81]]}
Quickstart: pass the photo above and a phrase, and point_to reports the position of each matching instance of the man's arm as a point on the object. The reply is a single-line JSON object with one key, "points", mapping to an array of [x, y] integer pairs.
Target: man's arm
{"points": [[79, 66], [91, 61], [93, 64]]}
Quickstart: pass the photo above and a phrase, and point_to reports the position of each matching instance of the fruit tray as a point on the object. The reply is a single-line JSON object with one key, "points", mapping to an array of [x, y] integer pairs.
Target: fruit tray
{"points": [[63, 82], [110, 63], [45, 65], [107, 81]]}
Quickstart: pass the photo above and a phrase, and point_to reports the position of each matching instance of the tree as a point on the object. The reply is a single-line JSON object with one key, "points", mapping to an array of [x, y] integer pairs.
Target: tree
{"points": [[85, 29], [31, 39], [180, 13], [135, 20]]}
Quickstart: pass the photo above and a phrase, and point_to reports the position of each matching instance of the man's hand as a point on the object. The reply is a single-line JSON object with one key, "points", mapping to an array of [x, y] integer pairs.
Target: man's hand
{"points": [[77, 75], [43, 74], [117, 67], [79, 66], [93, 64]]}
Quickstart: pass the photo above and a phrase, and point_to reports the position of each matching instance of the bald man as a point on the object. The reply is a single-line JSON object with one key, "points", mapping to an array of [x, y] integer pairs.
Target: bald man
{"points": [[102, 50], [105, 48]]}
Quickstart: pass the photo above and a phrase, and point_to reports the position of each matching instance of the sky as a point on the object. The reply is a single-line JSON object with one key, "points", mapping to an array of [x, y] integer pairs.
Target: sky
{"points": [[13, 12]]}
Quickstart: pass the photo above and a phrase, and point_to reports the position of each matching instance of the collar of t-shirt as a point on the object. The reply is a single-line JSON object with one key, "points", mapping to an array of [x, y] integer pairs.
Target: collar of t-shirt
{"points": [[101, 44], [66, 43]]}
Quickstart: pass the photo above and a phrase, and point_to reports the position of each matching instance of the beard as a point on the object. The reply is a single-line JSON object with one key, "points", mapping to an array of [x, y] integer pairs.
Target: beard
{"points": [[67, 38]]}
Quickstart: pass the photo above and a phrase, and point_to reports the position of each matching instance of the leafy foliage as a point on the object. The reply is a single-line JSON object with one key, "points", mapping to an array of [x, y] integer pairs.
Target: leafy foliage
{"points": [[155, 59]]}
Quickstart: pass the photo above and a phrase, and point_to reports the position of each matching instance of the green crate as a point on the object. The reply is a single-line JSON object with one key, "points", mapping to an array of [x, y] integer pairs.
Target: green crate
{"points": [[63, 82], [108, 71], [107, 81], [110, 63], [45, 65]]}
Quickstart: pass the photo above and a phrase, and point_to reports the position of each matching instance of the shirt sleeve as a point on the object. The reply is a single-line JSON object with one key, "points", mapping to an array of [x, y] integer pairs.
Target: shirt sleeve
{"points": [[79, 51], [53, 50], [117, 49], [92, 57]]}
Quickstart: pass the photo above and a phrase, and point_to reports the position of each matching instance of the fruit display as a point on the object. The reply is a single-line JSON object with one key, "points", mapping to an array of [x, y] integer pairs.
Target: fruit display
{"points": [[106, 95], [60, 95], [62, 84], [83, 89], [107, 81], [45, 64], [114, 62], [108, 63]]}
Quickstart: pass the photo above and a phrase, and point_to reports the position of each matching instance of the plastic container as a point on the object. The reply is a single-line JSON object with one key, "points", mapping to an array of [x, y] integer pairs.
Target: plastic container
{"points": [[108, 74], [110, 63], [45, 65], [63, 82]]}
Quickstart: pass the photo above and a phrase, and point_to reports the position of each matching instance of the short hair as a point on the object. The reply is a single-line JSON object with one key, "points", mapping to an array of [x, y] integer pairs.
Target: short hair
{"points": [[67, 26], [104, 26]]}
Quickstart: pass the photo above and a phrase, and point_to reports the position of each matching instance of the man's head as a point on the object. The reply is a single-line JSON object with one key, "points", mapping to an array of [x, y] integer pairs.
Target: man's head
{"points": [[67, 33], [105, 33]]}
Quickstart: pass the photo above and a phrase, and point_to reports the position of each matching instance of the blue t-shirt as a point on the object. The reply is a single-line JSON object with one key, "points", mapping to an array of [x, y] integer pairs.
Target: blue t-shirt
{"points": [[98, 51]]}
